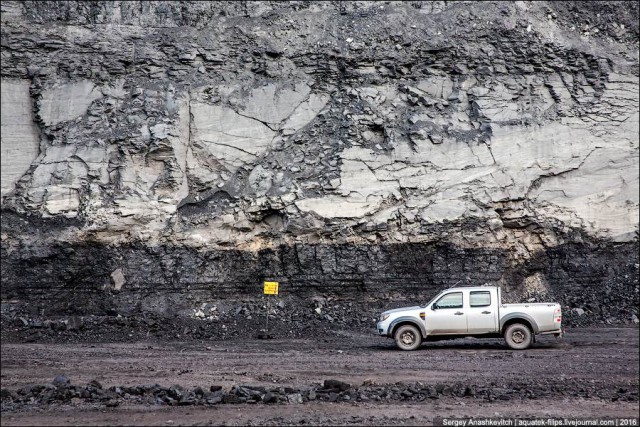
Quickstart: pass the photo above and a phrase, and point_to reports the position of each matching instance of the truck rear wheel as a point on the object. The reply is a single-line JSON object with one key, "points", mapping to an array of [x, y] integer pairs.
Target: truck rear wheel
{"points": [[518, 336], [408, 337]]}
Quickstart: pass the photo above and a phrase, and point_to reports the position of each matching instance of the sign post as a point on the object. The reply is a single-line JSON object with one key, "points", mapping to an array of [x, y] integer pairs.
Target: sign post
{"points": [[270, 288]]}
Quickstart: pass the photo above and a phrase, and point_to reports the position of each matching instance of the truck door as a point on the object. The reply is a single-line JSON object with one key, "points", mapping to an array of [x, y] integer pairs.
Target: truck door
{"points": [[482, 313], [446, 316]]}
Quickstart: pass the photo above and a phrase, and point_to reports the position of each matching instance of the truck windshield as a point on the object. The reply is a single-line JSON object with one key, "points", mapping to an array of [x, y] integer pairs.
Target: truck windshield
{"points": [[432, 299]]}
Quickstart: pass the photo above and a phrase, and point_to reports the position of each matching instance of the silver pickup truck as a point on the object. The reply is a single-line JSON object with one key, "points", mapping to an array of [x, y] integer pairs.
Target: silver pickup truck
{"points": [[471, 312]]}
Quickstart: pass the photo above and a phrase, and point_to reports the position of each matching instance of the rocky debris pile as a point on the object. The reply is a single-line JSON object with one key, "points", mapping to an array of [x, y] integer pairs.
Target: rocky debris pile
{"points": [[619, 305], [289, 317], [61, 391], [604, 20]]}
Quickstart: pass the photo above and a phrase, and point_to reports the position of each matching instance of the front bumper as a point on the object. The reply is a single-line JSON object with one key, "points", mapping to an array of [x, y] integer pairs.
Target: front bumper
{"points": [[382, 328]]}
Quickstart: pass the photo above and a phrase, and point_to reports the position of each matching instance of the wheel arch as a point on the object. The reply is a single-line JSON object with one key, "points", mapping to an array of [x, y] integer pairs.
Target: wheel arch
{"points": [[406, 320], [525, 319]]}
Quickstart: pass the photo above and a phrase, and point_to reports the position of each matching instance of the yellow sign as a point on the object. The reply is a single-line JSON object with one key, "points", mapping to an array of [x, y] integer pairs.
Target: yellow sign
{"points": [[271, 288]]}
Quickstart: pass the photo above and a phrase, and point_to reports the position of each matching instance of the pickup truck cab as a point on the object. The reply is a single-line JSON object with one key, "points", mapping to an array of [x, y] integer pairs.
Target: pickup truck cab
{"points": [[471, 312]]}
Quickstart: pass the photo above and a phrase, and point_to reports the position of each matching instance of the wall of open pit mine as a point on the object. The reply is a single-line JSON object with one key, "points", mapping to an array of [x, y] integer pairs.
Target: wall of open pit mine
{"points": [[91, 278], [156, 154]]}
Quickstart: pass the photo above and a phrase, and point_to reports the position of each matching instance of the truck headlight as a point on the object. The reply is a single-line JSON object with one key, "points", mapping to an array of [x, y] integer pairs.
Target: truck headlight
{"points": [[384, 317]]}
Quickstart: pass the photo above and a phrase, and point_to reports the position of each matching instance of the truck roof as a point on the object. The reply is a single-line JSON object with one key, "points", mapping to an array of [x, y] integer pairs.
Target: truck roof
{"points": [[473, 288]]}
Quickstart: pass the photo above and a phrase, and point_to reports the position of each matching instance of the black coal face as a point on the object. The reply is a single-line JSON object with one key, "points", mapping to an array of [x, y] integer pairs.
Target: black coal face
{"points": [[600, 278]]}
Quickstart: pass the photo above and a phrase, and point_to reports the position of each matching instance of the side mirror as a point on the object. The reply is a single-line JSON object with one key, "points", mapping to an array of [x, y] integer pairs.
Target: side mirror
{"points": [[434, 306]]}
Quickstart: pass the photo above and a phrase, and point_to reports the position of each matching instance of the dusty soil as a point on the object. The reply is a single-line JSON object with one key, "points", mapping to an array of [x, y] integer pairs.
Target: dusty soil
{"points": [[590, 373]]}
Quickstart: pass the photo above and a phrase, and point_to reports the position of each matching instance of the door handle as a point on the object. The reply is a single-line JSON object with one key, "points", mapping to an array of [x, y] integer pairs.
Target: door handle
{"points": [[458, 313], [486, 312]]}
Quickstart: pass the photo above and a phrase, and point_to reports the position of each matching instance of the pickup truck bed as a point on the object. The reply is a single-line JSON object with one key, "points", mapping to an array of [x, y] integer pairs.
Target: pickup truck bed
{"points": [[542, 314]]}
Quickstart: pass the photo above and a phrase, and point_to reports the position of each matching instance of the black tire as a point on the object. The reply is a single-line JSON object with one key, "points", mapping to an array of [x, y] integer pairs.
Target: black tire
{"points": [[518, 336], [408, 337]]}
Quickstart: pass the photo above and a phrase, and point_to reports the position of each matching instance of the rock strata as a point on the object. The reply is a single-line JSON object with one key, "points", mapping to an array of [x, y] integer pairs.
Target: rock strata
{"points": [[154, 151]]}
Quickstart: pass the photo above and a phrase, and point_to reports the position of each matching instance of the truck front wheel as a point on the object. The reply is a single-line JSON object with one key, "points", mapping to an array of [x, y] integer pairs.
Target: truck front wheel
{"points": [[408, 337], [518, 336]]}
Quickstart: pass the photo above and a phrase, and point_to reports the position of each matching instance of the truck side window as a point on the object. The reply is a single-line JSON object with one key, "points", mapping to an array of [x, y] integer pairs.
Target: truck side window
{"points": [[479, 298], [452, 300]]}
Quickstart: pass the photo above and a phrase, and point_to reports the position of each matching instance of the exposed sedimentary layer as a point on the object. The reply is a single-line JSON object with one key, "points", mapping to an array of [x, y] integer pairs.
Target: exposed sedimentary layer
{"points": [[379, 136], [91, 277]]}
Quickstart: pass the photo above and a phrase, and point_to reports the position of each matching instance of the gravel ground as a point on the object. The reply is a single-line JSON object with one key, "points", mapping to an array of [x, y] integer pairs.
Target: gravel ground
{"points": [[590, 373]]}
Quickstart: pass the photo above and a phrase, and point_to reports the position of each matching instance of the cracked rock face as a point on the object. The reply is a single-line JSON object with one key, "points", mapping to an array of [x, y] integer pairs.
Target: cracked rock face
{"points": [[505, 127]]}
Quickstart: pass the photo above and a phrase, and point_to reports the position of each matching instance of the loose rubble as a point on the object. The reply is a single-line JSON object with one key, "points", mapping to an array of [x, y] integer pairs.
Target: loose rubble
{"points": [[61, 391], [288, 317]]}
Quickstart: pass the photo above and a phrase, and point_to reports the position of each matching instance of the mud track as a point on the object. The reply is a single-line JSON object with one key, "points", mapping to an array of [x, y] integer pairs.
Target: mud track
{"points": [[591, 373]]}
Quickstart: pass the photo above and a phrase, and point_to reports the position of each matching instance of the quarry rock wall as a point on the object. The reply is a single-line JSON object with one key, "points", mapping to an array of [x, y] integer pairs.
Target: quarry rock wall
{"points": [[158, 154]]}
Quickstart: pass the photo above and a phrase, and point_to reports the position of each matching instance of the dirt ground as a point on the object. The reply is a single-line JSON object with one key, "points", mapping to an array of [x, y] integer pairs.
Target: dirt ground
{"points": [[606, 359]]}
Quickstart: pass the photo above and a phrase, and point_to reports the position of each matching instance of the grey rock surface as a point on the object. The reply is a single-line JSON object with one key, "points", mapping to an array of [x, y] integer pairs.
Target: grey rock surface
{"points": [[20, 139]]}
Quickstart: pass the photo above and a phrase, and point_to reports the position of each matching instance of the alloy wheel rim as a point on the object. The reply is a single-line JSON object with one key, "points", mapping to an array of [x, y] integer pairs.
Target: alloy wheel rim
{"points": [[408, 338], [517, 337]]}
